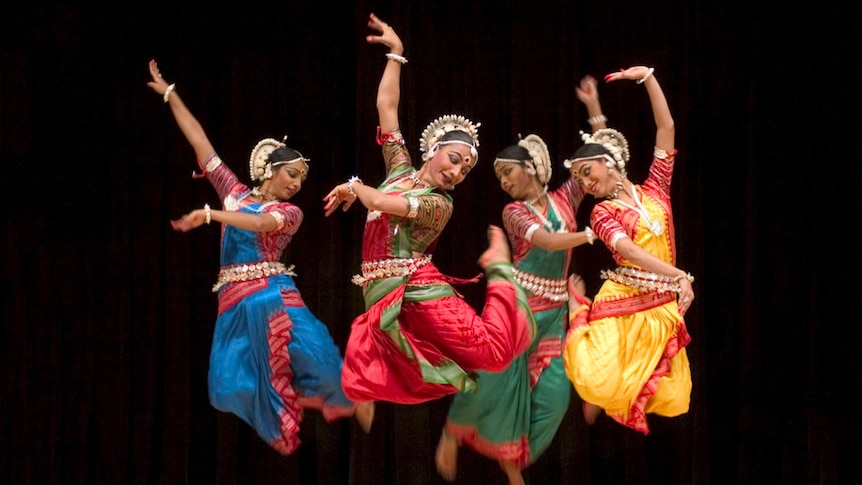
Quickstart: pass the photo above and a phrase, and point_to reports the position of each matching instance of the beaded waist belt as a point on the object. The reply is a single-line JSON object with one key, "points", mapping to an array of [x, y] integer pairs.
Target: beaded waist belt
{"points": [[251, 271], [554, 289], [387, 268], [641, 280]]}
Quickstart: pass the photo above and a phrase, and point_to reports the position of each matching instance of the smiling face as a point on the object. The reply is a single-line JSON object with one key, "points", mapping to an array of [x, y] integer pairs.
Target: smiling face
{"points": [[450, 164], [515, 180], [594, 176], [286, 180]]}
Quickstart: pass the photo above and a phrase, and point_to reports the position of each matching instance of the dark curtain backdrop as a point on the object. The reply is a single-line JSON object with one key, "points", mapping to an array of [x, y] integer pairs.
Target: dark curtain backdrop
{"points": [[107, 313]]}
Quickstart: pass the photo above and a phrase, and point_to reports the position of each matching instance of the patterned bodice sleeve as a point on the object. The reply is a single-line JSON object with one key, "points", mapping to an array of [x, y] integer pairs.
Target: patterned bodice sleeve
{"points": [[395, 152], [520, 224], [660, 173], [222, 178], [605, 223], [517, 220], [288, 217], [434, 212]]}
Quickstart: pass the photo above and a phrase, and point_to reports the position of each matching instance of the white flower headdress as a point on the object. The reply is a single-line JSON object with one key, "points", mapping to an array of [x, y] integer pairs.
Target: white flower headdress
{"points": [[259, 165], [430, 140], [613, 141], [540, 160]]}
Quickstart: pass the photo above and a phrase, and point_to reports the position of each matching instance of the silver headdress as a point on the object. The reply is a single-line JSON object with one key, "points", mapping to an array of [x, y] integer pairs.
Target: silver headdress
{"points": [[259, 165], [430, 140], [613, 141]]}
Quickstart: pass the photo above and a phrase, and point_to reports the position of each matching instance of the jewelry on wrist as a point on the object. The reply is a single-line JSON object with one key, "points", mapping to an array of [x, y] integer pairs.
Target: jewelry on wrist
{"points": [[167, 96], [396, 57], [591, 236], [350, 183], [209, 213], [599, 118], [646, 76], [684, 276]]}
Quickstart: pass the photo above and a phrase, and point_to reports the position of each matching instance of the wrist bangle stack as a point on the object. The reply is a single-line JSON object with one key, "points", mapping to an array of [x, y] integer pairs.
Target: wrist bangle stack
{"points": [[167, 96], [599, 118], [646, 76], [350, 183], [591, 236], [685, 276], [396, 57], [209, 213]]}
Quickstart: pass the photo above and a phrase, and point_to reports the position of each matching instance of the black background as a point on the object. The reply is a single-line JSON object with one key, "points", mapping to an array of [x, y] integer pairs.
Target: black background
{"points": [[107, 313]]}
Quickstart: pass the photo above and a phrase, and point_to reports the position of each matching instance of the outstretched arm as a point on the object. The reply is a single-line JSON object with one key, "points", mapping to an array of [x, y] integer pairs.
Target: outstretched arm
{"points": [[588, 93], [665, 131], [188, 124], [556, 241]]}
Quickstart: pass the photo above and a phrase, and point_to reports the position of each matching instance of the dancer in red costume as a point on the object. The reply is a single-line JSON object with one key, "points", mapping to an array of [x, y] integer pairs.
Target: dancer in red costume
{"points": [[418, 339]]}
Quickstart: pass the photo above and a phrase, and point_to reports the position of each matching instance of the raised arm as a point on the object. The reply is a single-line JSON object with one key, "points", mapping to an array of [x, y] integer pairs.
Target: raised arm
{"points": [[389, 89], [188, 124], [588, 93], [665, 131], [388, 97]]}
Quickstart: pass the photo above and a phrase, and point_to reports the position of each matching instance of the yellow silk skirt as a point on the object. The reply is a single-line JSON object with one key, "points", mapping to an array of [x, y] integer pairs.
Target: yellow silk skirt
{"points": [[630, 358]]}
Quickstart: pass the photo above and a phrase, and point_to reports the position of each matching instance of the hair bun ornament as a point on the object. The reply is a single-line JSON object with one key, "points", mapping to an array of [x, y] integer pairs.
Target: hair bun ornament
{"points": [[614, 141], [257, 163], [538, 150], [444, 124]]}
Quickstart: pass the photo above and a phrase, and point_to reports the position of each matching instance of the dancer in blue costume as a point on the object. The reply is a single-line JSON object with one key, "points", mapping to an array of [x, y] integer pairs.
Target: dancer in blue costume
{"points": [[271, 357]]}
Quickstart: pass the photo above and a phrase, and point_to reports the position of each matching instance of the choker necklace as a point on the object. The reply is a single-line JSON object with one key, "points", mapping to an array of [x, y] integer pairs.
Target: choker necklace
{"points": [[536, 199], [417, 182], [264, 196]]}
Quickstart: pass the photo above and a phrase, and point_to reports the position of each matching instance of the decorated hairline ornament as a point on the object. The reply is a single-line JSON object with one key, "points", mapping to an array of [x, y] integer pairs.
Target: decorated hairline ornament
{"points": [[444, 124], [613, 141], [259, 166]]}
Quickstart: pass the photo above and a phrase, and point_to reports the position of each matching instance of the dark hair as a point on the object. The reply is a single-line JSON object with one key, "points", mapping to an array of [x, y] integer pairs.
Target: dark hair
{"points": [[515, 152], [590, 150], [458, 135], [283, 154]]}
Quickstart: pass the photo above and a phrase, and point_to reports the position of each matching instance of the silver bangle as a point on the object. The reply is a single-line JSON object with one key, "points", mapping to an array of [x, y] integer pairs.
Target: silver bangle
{"points": [[686, 276], [209, 213], [646, 76], [167, 96], [599, 118], [591, 236], [350, 183], [396, 57]]}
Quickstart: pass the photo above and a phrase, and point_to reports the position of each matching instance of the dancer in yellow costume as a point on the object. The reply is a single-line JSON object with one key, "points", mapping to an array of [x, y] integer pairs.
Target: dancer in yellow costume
{"points": [[629, 359]]}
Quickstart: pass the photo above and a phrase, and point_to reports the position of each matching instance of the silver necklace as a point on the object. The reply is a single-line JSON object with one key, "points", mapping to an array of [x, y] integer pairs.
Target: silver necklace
{"points": [[655, 227], [543, 193], [417, 182]]}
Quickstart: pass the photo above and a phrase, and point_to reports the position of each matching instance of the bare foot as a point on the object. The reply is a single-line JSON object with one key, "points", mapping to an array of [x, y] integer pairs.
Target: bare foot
{"points": [[591, 412], [513, 472], [447, 456], [498, 248], [365, 415]]}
